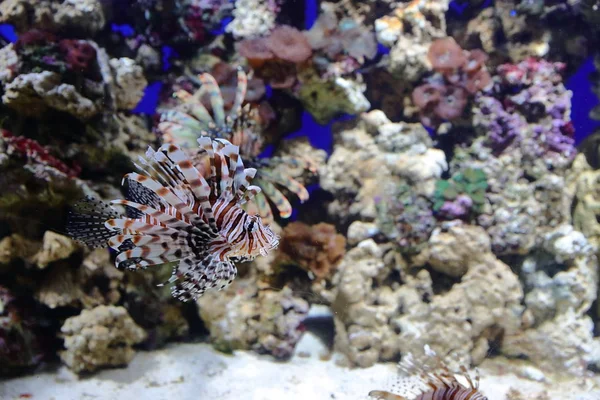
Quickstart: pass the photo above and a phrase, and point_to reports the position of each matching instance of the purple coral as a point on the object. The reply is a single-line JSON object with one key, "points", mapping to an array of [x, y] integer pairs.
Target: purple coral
{"points": [[456, 209], [531, 107]]}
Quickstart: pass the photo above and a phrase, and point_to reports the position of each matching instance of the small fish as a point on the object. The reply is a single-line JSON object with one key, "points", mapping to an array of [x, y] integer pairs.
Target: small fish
{"points": [[439, 385], [177, 214]]}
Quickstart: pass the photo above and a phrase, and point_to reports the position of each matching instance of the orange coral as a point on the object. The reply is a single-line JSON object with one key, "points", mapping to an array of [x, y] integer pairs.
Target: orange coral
{"points": [[317, 248]]}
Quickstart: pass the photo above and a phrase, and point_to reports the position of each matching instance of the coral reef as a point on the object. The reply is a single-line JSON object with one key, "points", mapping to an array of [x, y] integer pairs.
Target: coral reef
{"points": [[409, 31], [561, 283], [461, 195], [74, 76], [446, 208], [20, 337], [100, 337]]}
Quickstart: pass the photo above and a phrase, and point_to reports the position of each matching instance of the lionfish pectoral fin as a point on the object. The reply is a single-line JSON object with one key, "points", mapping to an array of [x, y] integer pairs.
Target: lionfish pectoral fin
{"points": [[197, 276], [86, 222], [240, 93], [383, 395], [216, 99]]}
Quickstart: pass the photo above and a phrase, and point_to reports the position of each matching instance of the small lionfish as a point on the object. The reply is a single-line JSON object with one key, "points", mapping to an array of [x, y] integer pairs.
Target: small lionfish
{"points": [[441, 385], [177, 214], [188, 120]]}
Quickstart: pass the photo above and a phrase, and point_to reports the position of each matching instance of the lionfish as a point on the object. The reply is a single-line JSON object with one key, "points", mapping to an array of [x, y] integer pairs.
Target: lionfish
{"points": [[175, 213], [441, 385], [190, 118]]}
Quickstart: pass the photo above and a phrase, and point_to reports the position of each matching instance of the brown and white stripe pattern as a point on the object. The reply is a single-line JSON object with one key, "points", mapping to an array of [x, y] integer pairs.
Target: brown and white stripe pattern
{"points": [[184, 216], [439, 384]]}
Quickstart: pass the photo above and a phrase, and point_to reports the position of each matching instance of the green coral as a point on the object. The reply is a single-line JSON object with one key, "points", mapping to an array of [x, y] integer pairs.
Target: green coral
{"points": [[471, 182]]}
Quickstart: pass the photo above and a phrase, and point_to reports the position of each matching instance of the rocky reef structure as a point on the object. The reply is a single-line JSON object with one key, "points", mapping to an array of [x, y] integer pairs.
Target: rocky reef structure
{"points": [[250, 315], [100, 337], [449, 210]]}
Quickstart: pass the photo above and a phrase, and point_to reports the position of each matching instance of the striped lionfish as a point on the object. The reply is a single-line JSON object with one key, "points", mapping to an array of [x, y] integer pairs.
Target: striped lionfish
{"points": [[442, 385], [184, 123], [175, 213]]}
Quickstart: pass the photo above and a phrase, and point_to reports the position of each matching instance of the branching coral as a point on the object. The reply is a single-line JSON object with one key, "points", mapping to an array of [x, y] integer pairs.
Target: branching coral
{"points": [[460, 73], [316, 249], [191, 119]]}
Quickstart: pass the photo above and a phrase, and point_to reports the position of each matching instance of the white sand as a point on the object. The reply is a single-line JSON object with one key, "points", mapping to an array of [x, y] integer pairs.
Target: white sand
{"points": [[196, 371]]}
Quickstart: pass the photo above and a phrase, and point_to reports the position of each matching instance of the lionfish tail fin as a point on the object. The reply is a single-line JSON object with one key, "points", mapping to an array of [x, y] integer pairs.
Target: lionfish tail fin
{"points": [[86, 220]]}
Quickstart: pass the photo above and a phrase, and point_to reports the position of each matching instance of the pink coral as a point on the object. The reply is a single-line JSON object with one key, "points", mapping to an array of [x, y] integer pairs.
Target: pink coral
{"points": [[289, 44], [460, 73]]}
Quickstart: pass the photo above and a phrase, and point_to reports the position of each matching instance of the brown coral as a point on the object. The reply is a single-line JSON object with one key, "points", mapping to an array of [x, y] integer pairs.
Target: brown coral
{"points": [[289, 44], [317, 249]]}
